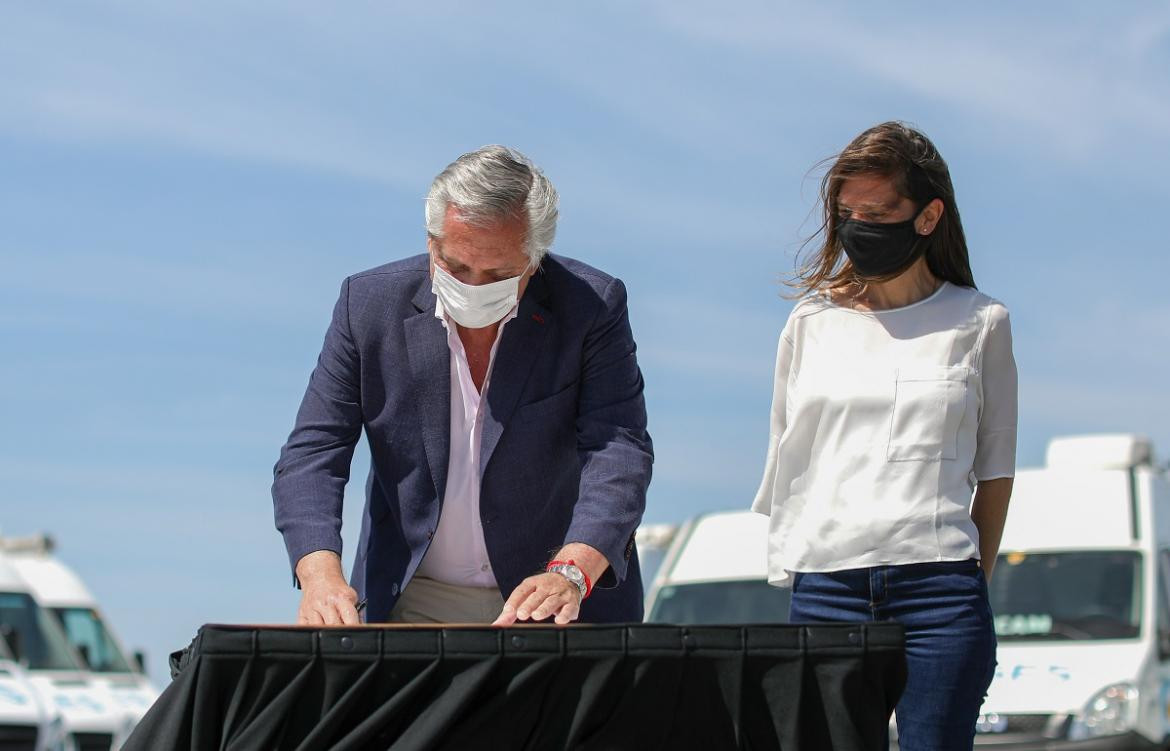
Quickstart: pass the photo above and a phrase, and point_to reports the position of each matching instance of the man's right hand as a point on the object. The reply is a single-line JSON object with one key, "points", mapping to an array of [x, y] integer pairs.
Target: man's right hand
{"points": [[327, 600]]}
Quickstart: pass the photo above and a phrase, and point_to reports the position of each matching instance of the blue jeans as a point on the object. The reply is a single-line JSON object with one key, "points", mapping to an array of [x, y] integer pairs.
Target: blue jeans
{"points": [[950, 639]]}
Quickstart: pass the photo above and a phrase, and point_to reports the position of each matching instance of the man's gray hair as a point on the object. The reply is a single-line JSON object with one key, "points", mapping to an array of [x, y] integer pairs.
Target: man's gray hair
{"points": [[494, 183]]}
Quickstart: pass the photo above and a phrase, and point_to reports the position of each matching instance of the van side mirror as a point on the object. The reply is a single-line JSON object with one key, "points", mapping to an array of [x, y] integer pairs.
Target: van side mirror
{"points": [[140, 660], [11, 637], [1163, 643]]}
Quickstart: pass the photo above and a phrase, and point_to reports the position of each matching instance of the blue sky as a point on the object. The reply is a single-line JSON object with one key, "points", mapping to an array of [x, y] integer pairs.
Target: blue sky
{"points": [[182, 190]]}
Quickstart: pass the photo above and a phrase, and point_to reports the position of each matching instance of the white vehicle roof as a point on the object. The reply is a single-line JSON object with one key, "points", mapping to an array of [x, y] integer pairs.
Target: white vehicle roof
{"points": [[1082, 497], [1099, 451], [1063, 508], [10, 578], [722, 546], [51, 582]]}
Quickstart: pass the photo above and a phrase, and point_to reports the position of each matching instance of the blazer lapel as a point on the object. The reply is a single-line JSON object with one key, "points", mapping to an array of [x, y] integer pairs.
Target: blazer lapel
{"points": [[519, 347], [430, 368]]}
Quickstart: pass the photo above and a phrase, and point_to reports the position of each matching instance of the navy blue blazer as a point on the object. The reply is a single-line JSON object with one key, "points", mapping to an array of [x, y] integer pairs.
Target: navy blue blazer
{"points": [[565, 456]]}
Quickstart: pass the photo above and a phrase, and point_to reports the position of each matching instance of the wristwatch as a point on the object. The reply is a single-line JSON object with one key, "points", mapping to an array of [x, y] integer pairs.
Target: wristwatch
{"points": [[573, 573]]}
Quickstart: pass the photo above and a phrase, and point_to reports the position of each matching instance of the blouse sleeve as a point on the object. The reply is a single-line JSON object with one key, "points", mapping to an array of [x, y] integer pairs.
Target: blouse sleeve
{"points": [[995, 451], [763, 501]]}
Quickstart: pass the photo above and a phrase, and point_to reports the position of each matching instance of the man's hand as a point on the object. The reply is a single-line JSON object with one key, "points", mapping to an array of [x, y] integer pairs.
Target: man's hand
{"points": [[327, 599], [540, 596], [547, 594]]}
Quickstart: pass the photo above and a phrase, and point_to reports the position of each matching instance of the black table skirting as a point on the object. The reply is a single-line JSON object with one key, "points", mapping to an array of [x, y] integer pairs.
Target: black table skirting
{"points": [[642, 687]]}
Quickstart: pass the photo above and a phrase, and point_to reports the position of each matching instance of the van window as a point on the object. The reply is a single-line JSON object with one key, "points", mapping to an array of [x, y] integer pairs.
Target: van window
{"points": [[1078, 595], [34, 639], [721, 602], [89, 635]]}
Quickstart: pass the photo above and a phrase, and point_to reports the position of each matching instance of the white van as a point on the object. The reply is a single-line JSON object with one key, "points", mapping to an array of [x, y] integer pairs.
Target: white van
{"points": [[1080, 592], [60, 591], [1081, 595], [715, 571], [88, 715]]}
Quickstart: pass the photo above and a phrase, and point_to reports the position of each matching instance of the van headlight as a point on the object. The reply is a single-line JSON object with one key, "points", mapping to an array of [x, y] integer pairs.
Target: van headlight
{"points": [[1112, 711]]}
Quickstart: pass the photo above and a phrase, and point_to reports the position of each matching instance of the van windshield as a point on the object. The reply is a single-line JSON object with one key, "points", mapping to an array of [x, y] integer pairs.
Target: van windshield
{"points": [[31, 635], [1080, 595], [88, 633], [721, 602]]}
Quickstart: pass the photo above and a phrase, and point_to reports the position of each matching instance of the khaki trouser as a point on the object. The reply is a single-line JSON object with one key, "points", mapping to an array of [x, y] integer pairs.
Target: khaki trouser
{"points": [[430, 601]]}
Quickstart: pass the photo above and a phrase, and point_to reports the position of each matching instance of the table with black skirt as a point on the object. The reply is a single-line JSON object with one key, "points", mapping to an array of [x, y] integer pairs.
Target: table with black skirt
{"points": [[530, 687]]}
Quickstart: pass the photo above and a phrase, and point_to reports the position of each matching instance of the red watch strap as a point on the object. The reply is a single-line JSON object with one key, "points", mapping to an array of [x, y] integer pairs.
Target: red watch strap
{"points": [[571, 562]]}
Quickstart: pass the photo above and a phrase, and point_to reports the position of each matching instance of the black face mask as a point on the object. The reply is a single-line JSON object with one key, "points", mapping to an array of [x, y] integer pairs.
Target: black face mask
{"points": [[879, 250]]}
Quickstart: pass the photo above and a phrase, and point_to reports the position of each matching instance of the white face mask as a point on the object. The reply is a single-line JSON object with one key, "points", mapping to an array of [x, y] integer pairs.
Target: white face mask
{"points": [[474, 306]]}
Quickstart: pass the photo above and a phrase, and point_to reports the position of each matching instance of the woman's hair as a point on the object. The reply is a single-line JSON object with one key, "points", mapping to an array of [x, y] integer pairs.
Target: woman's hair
{"points": [[907, 157]]}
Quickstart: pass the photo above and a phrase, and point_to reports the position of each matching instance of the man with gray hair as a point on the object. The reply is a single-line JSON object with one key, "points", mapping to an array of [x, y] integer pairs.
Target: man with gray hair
{"points": [[502, 403]]}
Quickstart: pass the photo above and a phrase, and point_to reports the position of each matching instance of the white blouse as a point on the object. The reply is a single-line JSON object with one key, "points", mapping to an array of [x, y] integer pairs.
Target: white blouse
{"points": [[882, 423]]}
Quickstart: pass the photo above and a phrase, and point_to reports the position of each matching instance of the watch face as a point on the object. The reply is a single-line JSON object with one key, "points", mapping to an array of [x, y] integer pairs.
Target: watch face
{"points": [[573, 574]]}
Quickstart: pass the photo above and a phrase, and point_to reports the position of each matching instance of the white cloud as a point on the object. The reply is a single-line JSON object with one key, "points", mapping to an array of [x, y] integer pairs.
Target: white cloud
{"points": [[1072, 85], [178, 78], [198, 79]]}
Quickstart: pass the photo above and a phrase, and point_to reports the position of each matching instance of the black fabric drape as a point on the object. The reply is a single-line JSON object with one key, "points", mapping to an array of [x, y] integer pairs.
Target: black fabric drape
{"points": [[645, 687]]}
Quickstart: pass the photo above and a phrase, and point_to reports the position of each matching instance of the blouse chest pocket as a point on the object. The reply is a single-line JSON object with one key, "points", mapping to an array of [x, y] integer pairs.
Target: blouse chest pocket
{"points": [[929, 403]]}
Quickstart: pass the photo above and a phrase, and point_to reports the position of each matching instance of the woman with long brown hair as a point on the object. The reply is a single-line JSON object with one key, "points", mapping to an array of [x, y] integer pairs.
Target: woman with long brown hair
{"points": [[893, 430]]}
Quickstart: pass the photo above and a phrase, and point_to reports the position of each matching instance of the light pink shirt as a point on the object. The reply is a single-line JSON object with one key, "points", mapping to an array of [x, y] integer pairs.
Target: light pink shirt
{"points": [[458, 553]]}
